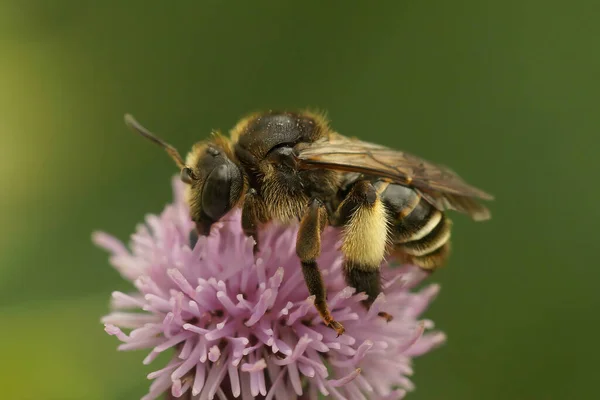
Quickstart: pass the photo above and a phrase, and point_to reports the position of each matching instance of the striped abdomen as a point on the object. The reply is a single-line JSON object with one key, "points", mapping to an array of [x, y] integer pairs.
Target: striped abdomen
{"points": [[420, 233]]}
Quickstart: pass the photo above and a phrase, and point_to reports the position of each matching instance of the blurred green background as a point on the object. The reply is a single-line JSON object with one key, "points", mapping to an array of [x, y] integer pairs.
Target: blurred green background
{"points": [[506, 93]]}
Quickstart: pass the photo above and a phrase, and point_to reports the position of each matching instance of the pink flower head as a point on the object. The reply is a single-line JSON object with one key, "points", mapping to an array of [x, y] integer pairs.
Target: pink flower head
{"points": [[244, 326]]}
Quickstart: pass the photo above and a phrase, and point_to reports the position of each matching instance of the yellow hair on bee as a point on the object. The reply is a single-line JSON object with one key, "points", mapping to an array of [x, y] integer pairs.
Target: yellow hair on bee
{"points": [[366, 236]]}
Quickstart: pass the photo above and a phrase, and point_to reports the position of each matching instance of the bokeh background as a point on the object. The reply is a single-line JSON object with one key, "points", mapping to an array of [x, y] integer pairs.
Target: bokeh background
{"points": [[506, 93]]}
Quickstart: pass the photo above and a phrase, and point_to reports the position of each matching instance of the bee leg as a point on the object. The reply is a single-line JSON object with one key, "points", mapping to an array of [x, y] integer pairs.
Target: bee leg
{"points": [[364, 240], [308, 248], [251, 216], [194, 238]]}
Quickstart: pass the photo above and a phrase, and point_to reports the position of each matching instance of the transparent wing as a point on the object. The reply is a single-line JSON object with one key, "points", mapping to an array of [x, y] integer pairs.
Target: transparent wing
{"points": [[439, 185]]}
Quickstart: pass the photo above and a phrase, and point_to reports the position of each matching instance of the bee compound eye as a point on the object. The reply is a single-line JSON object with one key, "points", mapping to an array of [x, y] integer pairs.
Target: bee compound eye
{"points": [[215, 193]]}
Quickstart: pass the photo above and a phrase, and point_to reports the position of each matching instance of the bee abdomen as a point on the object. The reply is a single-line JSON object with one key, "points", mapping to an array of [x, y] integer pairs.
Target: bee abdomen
{"points": [[433, 260], [434, 234], [421, 232]]}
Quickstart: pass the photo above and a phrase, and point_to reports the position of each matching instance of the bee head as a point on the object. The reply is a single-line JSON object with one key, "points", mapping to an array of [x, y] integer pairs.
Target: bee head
{"points": [[216, 184], [215, 181]]}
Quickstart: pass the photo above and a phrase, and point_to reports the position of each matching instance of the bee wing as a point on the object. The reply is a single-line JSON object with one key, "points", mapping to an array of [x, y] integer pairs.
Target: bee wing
{"points": [[437, 184]]}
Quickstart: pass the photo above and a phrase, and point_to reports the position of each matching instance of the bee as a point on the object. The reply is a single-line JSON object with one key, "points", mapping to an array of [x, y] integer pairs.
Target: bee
{"points": [[292, 167]]}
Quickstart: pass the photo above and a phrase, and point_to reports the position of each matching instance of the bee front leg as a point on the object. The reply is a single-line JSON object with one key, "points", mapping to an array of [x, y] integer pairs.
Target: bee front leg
{"points": [[252, 215], [365, 240], [308, 248]]}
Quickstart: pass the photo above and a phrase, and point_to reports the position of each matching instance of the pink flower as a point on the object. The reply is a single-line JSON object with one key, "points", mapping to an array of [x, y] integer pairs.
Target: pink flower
{"points": [[244, 326]]}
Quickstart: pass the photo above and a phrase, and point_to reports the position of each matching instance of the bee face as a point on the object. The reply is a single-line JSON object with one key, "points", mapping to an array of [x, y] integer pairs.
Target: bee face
{"points": [[216, 184]]}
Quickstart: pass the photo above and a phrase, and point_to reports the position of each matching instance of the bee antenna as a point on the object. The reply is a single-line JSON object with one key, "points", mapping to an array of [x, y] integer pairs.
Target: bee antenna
{"points": [[132, 123]]}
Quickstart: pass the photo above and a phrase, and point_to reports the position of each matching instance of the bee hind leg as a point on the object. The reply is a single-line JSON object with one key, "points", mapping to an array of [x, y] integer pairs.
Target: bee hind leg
{"points": [[364, 241], [308, 248]]}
